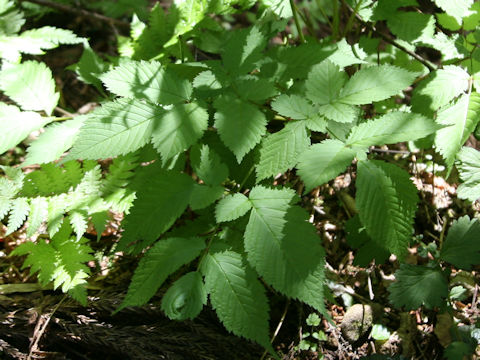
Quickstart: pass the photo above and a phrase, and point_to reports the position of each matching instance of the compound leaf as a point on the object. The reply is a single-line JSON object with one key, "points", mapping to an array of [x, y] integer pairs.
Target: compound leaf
{"points": [[469, 169], [164, 258], [324, 82], [386, 201], [208, 165]]}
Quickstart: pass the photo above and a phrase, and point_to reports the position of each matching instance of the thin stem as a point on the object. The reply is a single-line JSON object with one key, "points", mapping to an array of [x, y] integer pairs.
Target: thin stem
{"points": [[63, 118], [297, 21], [279, 326], [354, 13], [336, 20], [80, 12], [392, 41]]}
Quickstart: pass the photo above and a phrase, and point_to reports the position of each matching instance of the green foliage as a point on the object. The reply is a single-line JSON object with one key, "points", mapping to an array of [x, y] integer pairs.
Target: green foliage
{"points": [[418, 285], [198, 123]]}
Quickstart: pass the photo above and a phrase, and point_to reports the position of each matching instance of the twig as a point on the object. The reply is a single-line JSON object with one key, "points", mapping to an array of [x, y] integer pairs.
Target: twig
{"points": [[390, 39], [388, 151], [79, 12], [279, 326], [38, 335], [297, 21]]}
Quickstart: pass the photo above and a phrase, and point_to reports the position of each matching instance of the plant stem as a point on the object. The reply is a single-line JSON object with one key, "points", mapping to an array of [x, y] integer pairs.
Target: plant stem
{"points": [[336, 20], [297, 21], [80, 12], [354, 13]]}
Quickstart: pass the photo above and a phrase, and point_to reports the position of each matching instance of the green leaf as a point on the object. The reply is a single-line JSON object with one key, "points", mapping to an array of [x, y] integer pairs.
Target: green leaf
{"points": [[456, 8], [179, 129], [391, 128], [164, 258], [324, 83], [461, 247], [469, 169], [11, 19], [79, 222], [294, 106], [45, 38], [375, 83], [280, 7], [31, 85], [38, 214], [16, 125], [323, 161], [386, 201], [243, 49], [418, 285], [232, 207], [411, 26], [276, 236], [18, 214], [185, 298], [462, 116], [51, 144], [204, 195], [339, 112], [208, 165], [279, 151], [117, 128], [162, 197], [253, 88], [441, 87], [237, 296], [147, 80], [40, 256], [239, 124], [89, 67]]}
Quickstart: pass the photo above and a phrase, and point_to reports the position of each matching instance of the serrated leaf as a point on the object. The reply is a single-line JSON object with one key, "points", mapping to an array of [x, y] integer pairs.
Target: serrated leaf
{"points": [[208, 165], [243, 50], [51, 144], [323, 161], [147, 80], [280, 7], [16, 125], [469, 169], [418, 285], [31, 85], [277, 235], [11, 19], [161, 198], [279, 151], [38, 214], [232, 207], [41, 258], [461, 247], [254, 88], [456, 8], [45, 38], [164, 258], [178, 129], [18, 213], [78, 220], [185, 298], [343, 54], [411, 26], [391, 128], [204, 195], [324, 83], [462, 116], [239, 124], [117, 128], [386, 201], [237, 296], [293, 106], [338, 112], [441, 87], [375, 83], [89, 67]]}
